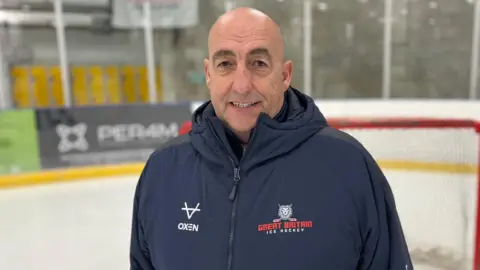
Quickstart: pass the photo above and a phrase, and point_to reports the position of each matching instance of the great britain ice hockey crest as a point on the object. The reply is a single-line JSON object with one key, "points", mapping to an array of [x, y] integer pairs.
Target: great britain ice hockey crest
{"points": [[285, 212], [285, 222]]}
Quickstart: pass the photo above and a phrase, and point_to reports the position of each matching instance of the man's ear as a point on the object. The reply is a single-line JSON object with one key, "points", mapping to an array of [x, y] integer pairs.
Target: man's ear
{"points": [[287, 73], [206, 62]]}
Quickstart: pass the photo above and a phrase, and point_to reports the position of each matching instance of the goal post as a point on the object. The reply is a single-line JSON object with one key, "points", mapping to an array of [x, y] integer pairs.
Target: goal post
{"points": [[433, 167]]}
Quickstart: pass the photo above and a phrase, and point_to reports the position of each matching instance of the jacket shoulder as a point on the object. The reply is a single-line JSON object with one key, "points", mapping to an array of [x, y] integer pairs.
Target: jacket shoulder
{"points": [[347, 141], [342, 137], [356, 148], [165, 156], [174, 142], [171, 149]]}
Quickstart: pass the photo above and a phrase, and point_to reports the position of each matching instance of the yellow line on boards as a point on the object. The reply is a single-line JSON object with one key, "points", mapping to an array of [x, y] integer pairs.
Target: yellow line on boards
{"points": [[428, 167], [95, 172], [68, 175]]}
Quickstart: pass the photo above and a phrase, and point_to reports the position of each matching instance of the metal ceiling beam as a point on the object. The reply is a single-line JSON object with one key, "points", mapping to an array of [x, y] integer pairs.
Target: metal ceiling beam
{"points": [[74, 8], [46, 18]]}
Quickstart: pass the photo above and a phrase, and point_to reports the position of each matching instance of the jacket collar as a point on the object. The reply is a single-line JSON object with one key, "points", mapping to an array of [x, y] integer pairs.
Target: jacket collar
{"points": [[298, 120]]}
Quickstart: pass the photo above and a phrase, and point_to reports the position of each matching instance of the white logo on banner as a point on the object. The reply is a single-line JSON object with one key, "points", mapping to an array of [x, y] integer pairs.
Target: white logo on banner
{"points": [[79, 142], [123, 133]]}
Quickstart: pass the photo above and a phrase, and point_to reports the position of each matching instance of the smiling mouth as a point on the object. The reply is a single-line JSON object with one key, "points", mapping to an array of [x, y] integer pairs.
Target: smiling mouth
{"points": [[244, 104]]}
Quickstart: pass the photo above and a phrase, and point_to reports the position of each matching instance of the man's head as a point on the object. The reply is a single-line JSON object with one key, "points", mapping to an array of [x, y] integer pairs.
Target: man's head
{"points": [[245, 70]]}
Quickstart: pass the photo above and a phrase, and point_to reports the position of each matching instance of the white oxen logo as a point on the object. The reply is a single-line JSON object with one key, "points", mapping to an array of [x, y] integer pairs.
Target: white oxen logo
{"points": [[285, 212], [80, 143]]}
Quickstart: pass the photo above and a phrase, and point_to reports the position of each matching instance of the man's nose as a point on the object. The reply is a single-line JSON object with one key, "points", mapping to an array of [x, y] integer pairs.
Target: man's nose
{"points": [[242, 80]]}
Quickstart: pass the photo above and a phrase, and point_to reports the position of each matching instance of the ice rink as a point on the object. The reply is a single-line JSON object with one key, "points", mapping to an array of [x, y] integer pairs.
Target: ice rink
{"points": [[85, 225], [76, 226]]}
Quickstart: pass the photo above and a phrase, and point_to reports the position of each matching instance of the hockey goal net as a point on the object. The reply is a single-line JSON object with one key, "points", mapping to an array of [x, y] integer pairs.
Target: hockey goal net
{"points": [[433, 168]]}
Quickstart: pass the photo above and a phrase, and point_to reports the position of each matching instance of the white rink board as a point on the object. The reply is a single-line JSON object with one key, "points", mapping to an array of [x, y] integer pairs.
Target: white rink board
{"points": [[86, 225]]}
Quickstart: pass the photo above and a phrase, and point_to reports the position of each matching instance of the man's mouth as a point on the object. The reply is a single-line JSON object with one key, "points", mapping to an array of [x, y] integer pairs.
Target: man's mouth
{"points": [[244, 104]]}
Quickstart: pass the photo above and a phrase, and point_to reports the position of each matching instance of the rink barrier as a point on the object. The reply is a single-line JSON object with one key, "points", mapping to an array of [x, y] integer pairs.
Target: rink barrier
{"points": [[69, 175], [427, 167], [95, 172], [42, 160]]}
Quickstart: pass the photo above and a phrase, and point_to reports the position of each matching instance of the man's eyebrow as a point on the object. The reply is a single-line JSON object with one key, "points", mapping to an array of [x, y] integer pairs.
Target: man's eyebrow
{"points": [[257, 51], [222, 53], [261, 51]]}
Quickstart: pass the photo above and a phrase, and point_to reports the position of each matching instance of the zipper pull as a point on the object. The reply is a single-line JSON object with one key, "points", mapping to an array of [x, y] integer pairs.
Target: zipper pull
{"points": [[236, 179]]}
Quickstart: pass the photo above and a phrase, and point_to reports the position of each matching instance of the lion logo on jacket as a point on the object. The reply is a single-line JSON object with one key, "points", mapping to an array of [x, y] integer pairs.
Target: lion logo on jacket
{"points": [[285, 212]]}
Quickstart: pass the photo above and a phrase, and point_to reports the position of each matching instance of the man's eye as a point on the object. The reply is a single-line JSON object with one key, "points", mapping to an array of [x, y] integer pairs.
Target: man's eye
{"points": [[259, 63], [224, 64]]}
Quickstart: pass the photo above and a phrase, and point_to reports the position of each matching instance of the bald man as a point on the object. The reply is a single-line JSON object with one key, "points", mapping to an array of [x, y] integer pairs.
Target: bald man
{"points": [[261, 181]]}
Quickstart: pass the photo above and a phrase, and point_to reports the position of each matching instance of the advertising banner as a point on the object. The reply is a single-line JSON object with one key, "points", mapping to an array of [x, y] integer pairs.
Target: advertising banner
{"points": [[128, 14], [106, 135], [18, 142]]}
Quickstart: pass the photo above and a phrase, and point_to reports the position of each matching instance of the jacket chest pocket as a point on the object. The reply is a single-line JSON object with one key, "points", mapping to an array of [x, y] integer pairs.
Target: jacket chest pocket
{"points": [[295, 235], [292, 247], [188, 236]]}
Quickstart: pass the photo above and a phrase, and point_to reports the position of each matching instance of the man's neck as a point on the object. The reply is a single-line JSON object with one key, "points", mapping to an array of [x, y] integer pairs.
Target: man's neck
{"points": [[244, 137]]}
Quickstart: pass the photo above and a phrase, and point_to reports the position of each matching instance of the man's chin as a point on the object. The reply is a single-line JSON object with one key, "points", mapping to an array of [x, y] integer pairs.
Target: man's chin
{"points": [[242, 127], [242, 124]]}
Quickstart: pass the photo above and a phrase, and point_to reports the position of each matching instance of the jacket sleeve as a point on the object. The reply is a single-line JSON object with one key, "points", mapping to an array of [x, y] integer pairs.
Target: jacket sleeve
{"points": [[139, 253], [384, 245]]}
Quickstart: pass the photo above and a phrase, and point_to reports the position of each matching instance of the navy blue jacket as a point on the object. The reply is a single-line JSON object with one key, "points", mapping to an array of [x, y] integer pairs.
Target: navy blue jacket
{"points": [[301, 196]]}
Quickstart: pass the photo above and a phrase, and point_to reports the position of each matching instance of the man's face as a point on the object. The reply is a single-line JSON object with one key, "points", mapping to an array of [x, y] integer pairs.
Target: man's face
{"points": [[246, 75]]}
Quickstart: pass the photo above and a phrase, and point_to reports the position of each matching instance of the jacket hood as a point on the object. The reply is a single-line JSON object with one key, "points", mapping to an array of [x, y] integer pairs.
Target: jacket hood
{"points": [[298, 120]]}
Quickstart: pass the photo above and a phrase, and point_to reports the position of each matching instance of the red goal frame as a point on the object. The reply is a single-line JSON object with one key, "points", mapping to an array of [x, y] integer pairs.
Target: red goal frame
{"points": [[415, 123]]}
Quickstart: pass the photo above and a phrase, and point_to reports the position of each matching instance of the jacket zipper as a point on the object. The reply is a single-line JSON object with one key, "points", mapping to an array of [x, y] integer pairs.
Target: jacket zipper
{"points": [[233, 197]]}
